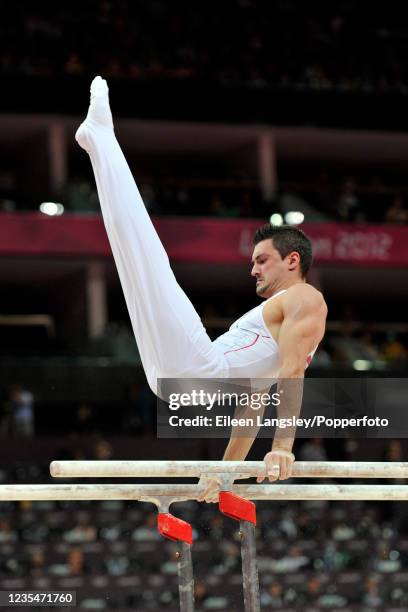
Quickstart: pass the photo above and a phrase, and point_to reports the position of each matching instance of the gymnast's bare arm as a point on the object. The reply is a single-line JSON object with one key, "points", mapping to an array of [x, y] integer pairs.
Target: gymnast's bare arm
{"points": [[297, 322], [304, 313]]}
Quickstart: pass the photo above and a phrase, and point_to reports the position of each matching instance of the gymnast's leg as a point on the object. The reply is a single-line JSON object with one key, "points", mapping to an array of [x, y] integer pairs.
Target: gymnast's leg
{"points": [[171, 338]]}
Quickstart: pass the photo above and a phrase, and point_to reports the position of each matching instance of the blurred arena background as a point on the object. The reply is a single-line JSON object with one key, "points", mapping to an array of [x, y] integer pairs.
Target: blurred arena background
{"points": [[230, 114]]}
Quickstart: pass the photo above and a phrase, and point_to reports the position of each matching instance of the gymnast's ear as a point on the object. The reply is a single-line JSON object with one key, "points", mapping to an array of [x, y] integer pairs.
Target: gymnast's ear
{"points": [[293, 260]]}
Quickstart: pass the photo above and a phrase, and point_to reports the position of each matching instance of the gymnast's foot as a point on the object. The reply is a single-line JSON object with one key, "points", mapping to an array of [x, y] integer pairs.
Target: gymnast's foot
{"points": [[99, 113]]}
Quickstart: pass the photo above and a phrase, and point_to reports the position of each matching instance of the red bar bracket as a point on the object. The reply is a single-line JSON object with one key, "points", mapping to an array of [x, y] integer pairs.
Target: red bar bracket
{"points": [[236, 507], [174, 528]]}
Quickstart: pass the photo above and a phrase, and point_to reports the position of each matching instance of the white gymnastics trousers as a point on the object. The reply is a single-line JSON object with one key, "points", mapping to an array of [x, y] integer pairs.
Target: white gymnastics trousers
{"points": [[172, 341]]}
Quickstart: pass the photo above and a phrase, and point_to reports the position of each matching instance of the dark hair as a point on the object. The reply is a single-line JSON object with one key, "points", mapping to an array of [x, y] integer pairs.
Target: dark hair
{"points": [[286, 239]]}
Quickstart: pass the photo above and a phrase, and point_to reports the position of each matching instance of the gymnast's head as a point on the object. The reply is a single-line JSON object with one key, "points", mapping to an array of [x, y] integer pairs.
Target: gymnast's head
{"points": [[282, 256]]}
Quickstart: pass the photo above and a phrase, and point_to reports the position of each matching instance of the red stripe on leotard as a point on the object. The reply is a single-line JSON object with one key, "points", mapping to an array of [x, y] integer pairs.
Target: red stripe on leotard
{"points": [[243, 347]]}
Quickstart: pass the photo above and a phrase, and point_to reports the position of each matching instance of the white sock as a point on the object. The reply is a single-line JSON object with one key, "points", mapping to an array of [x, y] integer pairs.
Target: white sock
{"points": [[99, 113], [99, 109]]}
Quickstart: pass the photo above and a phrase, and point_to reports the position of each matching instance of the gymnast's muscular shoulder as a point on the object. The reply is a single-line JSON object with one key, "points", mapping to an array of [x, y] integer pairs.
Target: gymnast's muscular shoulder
{"points": [[301, 306]]}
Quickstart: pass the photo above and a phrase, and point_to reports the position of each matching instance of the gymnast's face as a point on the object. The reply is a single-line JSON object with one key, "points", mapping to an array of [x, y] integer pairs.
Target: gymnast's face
{"points": [[269, 269]]}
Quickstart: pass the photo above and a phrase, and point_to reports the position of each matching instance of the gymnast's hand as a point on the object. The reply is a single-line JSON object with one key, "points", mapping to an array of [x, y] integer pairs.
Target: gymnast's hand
{"points": [[209, 489], [279, 465]]}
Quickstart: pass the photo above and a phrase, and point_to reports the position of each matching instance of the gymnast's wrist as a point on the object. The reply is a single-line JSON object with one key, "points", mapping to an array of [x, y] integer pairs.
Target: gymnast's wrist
{"points": [[284, 445]]}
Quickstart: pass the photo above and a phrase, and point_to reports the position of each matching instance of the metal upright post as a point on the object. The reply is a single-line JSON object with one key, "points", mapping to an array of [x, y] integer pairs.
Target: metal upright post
{"points": [[244, 511], [181, 532], [249, 567], [186, 578]]}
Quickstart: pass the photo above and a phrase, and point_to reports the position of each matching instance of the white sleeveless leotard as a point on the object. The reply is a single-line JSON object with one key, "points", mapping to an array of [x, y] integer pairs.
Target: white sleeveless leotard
{"points": [[248, 347]]}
